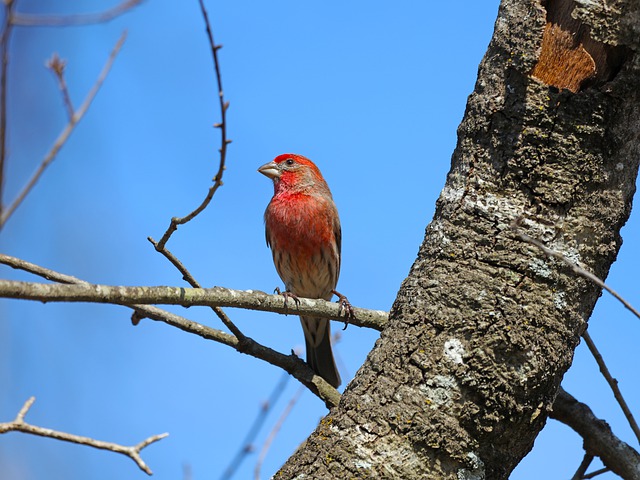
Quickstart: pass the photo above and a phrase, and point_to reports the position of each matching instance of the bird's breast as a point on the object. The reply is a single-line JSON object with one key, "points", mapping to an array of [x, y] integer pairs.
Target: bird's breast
{"points": [[302, 239]]}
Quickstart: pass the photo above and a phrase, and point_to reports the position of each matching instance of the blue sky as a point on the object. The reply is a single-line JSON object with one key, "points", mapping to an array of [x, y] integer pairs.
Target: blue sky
{"points": [[372, 93]]}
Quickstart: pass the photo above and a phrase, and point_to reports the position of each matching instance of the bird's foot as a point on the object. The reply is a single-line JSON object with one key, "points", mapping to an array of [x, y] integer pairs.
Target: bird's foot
{"points": [[287, 295], [346, 306]]}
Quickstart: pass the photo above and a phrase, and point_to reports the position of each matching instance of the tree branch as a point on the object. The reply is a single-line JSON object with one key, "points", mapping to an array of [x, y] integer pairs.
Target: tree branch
{"points": [[582, 468], [133, 452], [187, 297], [5, 36], [224, 142], [31, 20], [289, 363], [247, 446], [577, 269], [274, 432], [598, 438], [66, 132], [613, 384]]}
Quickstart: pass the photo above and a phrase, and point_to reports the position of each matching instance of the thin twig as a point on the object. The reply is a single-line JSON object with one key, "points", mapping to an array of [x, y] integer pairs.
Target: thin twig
{"points": [[222, 125], [133, 452], [613, 384], [595, 473], [577, 269], [582, 468], [56, 65], [31, 20], [247, 446], [5, 35], [289, 363], [186, 297], [274, 432], [66, 132], [186, 275]]}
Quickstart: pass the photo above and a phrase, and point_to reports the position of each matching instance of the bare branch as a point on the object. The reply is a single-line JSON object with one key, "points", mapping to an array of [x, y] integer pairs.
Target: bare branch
{"points": [[613, 384], [31, 20], [66, 132], [247, 445], [289, 363], [190, 279], [186, 297], [274, 432], [582, 468], [224, 142], [577, 269], [598, 438], [595, 473], [5, 35], [20, 425], [56, 65]]}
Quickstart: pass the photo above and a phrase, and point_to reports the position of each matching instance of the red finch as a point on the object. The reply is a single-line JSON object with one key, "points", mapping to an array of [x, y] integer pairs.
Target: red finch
{"points": [[303, 231]]}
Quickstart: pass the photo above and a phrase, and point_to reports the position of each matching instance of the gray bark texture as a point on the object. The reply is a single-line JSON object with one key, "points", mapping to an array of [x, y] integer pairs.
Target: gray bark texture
{"points": [[463, 377]]}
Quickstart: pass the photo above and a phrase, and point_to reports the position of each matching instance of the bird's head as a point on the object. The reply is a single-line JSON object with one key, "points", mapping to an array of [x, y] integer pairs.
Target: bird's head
{"points": [[291, 172]]}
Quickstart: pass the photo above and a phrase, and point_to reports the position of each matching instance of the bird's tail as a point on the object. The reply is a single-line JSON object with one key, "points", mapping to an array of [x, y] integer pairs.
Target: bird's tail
{"points": [[317, 336]]}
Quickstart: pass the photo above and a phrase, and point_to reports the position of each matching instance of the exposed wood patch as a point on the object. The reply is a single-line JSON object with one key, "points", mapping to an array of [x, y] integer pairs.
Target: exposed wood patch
{"points": [[570, 59]]}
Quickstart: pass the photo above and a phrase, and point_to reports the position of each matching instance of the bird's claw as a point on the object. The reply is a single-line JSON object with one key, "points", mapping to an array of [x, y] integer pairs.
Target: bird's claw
{"points": [[345, 306], [287, 295]]}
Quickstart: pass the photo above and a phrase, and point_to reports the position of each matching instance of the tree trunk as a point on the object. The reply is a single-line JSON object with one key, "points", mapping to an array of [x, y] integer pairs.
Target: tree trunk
{"points": [[483, 329]]}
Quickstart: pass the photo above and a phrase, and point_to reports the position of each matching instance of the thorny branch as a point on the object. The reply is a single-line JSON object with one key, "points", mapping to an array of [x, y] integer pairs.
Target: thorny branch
{"points": [[20, 425], [66, 132]]}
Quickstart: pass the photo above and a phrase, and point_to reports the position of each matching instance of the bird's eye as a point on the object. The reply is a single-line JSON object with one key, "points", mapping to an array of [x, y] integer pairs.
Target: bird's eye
{"points": [[289, 161]]}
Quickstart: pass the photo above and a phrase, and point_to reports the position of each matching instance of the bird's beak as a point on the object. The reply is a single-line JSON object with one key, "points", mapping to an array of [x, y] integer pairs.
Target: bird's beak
{"points": [[270, 170]]}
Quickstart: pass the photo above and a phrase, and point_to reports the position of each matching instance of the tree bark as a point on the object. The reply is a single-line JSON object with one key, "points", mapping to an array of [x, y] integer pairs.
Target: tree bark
{"points": [[483, 329]]}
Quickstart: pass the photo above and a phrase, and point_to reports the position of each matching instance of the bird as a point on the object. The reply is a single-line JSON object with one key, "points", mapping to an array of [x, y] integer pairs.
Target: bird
{"points": [[302, 229]]}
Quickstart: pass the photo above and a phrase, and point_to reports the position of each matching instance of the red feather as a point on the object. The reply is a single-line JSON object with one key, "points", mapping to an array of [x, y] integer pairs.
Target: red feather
{"points": [[303, 230]]}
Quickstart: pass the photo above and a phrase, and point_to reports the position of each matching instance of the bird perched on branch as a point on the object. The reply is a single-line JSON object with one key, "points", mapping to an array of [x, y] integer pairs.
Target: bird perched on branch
{"points": [[303, 231]]}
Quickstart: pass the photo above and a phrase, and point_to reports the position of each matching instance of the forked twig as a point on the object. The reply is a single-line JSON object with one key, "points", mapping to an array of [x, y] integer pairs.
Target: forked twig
{"points": [[582, 468], [66, 132], [133, 452], [224, 141]]}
